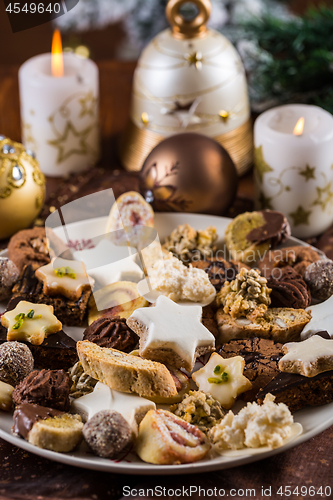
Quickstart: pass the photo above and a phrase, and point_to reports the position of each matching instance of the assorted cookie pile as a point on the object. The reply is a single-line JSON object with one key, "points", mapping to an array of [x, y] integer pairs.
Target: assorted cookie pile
{"points": [[250, 322]]}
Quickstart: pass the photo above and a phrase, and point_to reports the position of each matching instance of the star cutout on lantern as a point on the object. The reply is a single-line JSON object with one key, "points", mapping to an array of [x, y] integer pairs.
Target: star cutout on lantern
{"points": [[88, 104], [185, 113], [171, 330], [130, 406], [325, 196], [300, 216], [261, 167], [308, 173], [265, 201], [71, 142], [194, 59]]}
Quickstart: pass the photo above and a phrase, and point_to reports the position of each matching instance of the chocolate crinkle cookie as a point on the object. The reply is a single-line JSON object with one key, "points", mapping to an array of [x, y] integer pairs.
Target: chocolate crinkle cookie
{"points": [[16, 362], [319, 278], [9, 274], [288, 289], [48, 388], [112, 333], [107, 433]]}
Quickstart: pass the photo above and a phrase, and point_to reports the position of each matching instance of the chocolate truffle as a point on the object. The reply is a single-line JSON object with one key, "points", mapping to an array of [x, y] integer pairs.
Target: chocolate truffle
{"points": [[16, 362], [9, 274], [319, 278], [48, 388], [107, 433], [112, 333]]}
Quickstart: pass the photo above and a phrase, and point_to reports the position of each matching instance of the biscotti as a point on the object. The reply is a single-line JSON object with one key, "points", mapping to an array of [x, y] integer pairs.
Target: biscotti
{"points": [[125, 372], [278, 324]]}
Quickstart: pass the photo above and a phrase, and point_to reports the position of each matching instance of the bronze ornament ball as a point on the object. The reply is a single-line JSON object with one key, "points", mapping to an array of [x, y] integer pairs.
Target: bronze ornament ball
{"points": [[189, 173]]}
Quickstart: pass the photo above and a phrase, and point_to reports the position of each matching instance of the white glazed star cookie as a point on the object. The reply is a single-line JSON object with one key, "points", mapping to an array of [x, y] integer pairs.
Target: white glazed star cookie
{"points": [[223, 379], [30, 322], [64, 277], [321, 319], [309, 357], [171, 333], [132, 407]]}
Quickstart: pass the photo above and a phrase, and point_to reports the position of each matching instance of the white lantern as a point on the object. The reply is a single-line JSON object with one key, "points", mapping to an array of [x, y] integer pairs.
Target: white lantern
{"points": [[189, 78]]}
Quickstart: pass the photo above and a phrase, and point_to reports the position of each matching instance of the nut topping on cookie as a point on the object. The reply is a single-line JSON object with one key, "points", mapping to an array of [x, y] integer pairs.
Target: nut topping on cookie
{"points": [[223, 379], [171, 333], [309, 357], [64, 277], [30, 322]]}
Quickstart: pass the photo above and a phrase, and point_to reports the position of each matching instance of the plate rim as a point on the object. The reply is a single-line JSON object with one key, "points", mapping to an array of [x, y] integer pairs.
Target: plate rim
{"points": [[217, 463]]}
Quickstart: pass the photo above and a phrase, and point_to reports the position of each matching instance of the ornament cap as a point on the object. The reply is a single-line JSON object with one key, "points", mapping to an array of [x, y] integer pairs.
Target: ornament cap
{"points": [[185, 28]]}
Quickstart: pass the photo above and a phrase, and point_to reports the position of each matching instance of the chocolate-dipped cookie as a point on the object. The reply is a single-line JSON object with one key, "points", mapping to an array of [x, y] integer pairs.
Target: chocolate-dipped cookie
{"points": [[251, 234]]}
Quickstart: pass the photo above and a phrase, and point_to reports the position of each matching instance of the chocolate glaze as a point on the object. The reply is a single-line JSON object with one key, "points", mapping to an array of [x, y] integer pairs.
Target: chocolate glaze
{"points": [[261, 361], [276, 229], [26, 415], [284, 381]]}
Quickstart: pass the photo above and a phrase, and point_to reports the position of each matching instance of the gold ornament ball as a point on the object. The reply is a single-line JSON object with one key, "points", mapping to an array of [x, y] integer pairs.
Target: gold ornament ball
{"points": [[189, 173], [22, 187]]}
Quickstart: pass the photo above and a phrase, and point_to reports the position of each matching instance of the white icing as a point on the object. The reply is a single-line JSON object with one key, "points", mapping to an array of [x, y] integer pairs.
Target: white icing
{"points": [[175, 327], [307, 351], [170, 277], [225, 392], [321, 319], [35, 329], [65, 285], [130, 406]]}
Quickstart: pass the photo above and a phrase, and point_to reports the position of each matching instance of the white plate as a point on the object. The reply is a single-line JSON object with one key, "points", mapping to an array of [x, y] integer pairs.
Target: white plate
{"points": [[313, 420]]}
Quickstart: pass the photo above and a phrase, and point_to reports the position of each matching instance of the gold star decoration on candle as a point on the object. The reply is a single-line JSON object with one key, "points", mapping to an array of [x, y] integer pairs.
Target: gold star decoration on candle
{"points": [[325, 196], [300, 216], [145, 118], [194, 59], [261, 167], [224, 115], [88, 104], [308, 173], [71, 142]]}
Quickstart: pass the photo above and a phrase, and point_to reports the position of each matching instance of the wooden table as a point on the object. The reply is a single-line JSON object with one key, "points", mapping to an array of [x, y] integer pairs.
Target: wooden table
{"points": [[26, 476]]}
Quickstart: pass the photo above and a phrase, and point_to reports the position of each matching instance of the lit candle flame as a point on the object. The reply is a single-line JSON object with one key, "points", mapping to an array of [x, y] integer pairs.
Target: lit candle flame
{"points": [[299, 127], [57, 60]]}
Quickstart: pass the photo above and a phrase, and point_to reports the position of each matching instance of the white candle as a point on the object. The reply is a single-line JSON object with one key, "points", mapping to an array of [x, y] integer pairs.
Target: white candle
{"points": [[294, 168], [60, 114]]}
